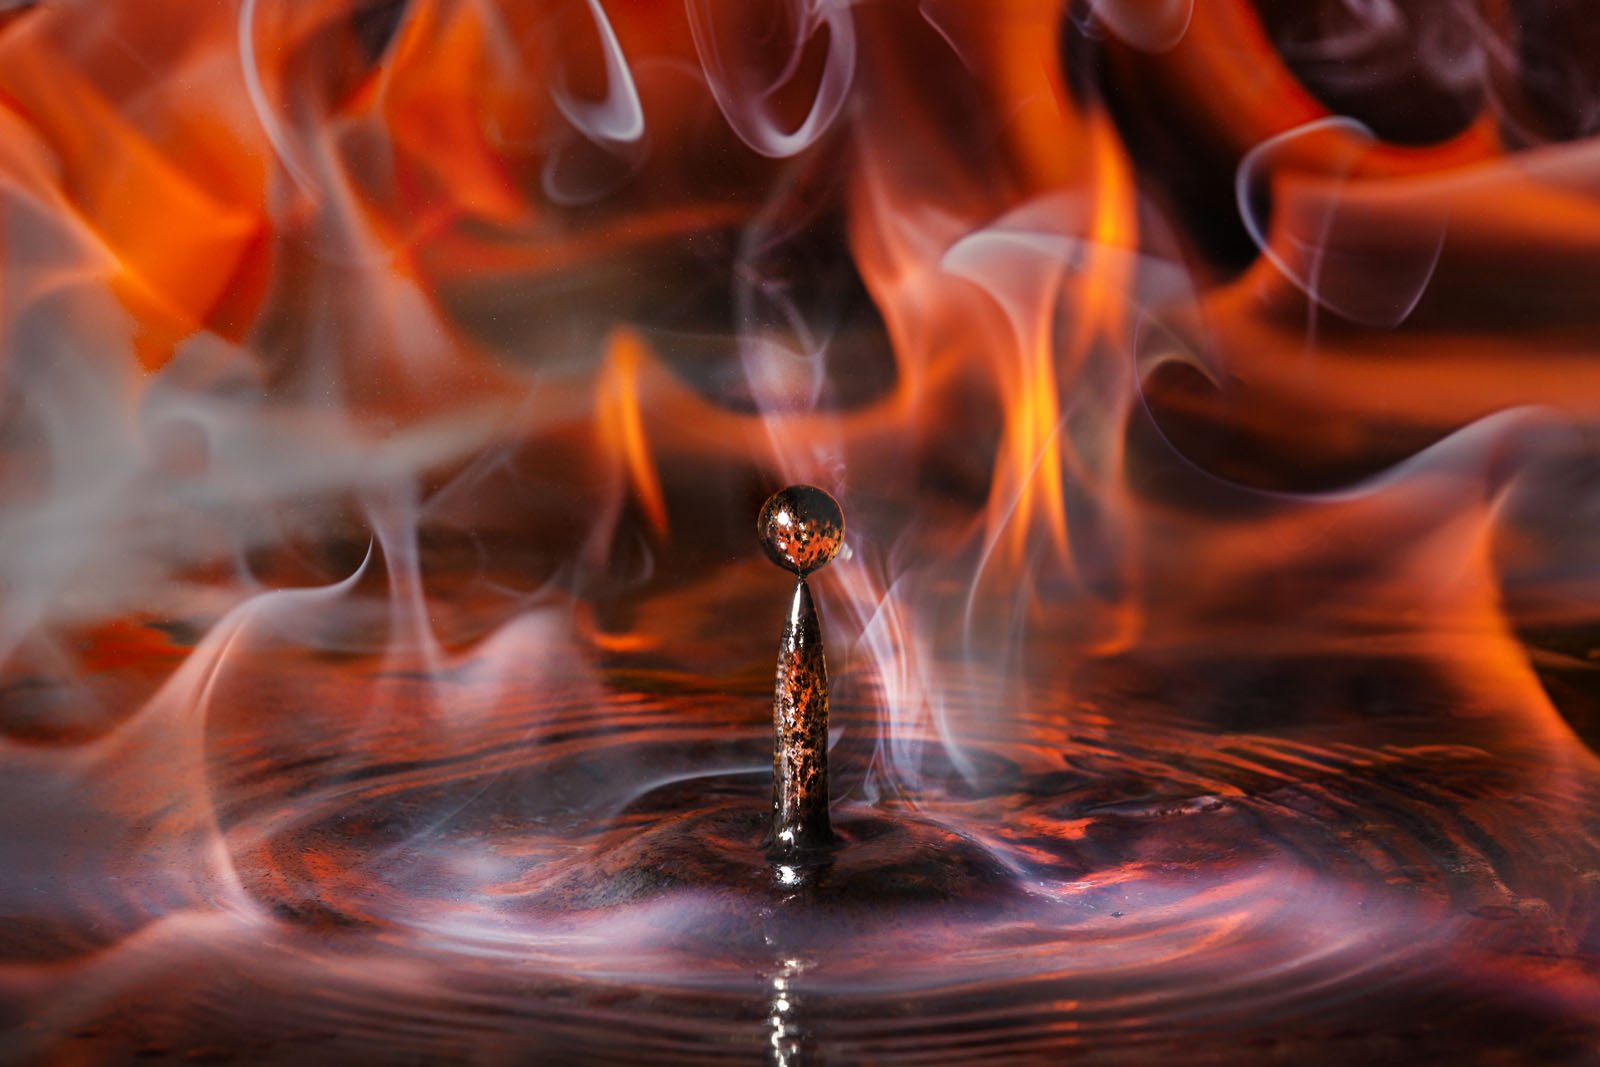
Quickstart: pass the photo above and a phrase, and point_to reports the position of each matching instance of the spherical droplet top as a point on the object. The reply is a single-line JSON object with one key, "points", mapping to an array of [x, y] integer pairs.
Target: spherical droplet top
{"points": [[801, 528]]}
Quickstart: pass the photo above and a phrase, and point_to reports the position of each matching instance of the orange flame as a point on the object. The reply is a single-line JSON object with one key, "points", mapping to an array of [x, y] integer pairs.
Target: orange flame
{"points": [[621, 428], [173, 194], [1138, 356]]}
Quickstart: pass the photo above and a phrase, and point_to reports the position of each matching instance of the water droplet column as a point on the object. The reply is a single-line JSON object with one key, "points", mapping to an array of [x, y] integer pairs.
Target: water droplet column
{"points": [[801, 528]]}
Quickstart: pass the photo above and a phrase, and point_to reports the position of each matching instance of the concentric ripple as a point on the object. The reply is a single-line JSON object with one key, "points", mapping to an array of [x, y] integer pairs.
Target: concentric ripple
{"points": [[584, 877]]}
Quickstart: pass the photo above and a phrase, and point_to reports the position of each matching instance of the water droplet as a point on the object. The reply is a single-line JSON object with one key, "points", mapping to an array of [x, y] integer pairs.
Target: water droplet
{"points": [[801, 528]]}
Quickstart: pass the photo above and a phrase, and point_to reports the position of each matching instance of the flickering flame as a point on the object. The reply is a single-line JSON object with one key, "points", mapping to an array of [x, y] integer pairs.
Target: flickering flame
{"points": [[389, 386], [622, 428]]}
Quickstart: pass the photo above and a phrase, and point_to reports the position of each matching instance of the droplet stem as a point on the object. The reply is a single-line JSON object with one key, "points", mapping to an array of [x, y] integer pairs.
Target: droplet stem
{"points": [[800, 821]]}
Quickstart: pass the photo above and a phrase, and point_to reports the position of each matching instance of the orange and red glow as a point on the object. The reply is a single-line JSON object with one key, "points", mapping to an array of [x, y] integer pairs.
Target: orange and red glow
{"points": [[387, 389]]}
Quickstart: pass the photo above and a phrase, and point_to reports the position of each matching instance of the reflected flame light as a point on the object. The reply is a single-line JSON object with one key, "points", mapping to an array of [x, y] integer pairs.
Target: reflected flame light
{"points": [[388, 387]]}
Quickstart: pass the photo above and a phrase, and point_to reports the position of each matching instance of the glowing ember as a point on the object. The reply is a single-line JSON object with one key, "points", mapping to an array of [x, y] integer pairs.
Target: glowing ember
{"points": [[385, 663]]}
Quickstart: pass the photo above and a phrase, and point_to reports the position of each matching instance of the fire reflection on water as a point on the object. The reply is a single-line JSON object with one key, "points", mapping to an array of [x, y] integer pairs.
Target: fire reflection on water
{"points": [[389, 388]]}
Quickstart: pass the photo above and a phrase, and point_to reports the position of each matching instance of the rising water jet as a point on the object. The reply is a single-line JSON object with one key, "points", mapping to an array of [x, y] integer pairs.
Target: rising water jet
{"points": [[801, 528]]}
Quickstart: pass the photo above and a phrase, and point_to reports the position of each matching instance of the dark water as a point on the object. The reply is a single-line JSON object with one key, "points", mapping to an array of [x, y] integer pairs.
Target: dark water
{"points": [[519, 856]]}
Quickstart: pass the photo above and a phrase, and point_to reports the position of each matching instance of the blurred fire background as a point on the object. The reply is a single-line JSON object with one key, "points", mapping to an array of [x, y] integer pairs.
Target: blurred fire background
{"points": [[387, 388]]}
